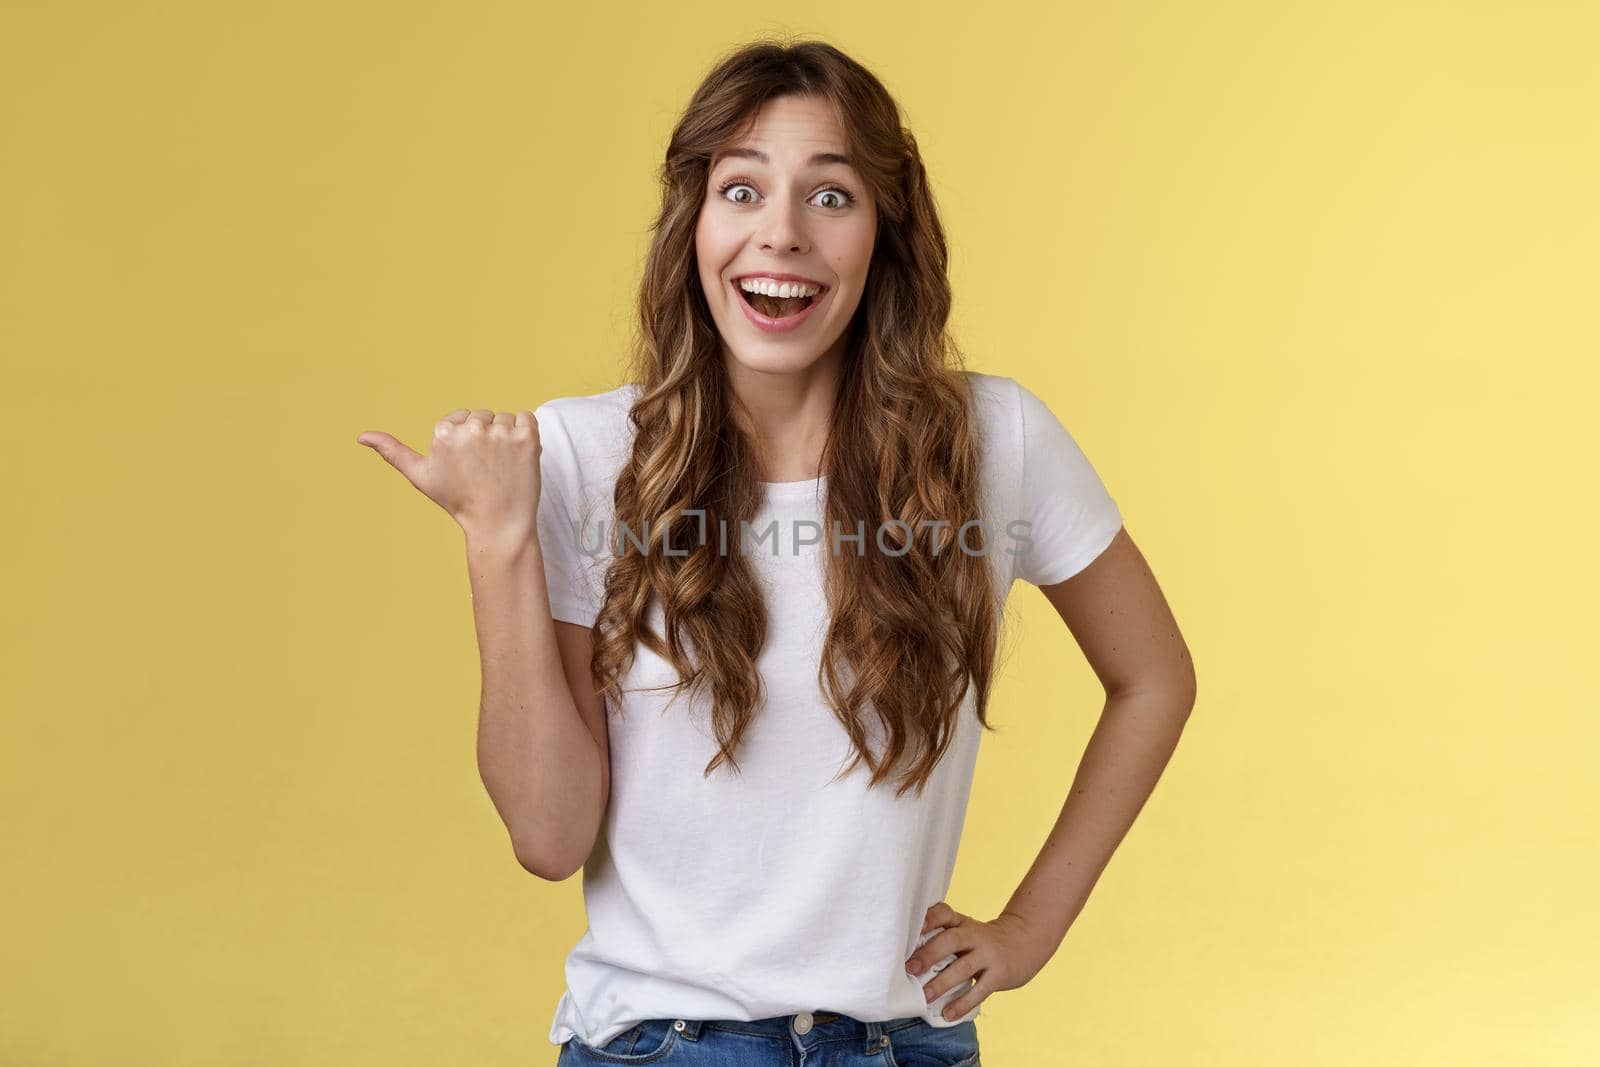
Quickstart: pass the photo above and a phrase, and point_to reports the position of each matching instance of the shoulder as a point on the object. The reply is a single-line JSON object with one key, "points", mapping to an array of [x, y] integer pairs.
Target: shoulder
{"points": [[990, 387], [599, 411], [997, 412], [997, 423], [1013, 417], [589, 435], [587, 421]]}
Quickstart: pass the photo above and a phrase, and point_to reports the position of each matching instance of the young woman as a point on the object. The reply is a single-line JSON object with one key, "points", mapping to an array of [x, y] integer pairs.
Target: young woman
{"points": [[738, 617]]}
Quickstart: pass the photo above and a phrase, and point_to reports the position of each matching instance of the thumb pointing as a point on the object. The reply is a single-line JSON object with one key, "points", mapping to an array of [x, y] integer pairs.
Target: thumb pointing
{"points": [[400, 456]]}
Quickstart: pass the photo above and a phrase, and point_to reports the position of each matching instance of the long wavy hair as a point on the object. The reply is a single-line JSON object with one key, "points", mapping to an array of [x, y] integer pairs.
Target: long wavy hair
{"points": [[913, 628]]}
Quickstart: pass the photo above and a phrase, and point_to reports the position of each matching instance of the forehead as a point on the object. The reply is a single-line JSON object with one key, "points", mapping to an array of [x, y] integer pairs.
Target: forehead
{"points": [[790, 131]]}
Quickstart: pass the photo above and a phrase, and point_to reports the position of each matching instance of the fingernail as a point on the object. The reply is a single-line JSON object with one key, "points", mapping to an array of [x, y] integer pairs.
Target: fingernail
{"points": [[913, 966]]}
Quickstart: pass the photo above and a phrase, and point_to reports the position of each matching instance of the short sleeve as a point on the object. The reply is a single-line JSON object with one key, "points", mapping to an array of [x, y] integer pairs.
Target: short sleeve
{"points": [[1070, 516], [571, 550]]}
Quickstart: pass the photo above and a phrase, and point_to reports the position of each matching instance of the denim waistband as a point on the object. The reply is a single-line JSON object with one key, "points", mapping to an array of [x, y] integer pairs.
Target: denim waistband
{"points": [[825, 1026]]}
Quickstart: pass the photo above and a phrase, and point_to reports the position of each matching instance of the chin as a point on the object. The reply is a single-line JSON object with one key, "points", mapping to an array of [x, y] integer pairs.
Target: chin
{"points": [[773, 359]]}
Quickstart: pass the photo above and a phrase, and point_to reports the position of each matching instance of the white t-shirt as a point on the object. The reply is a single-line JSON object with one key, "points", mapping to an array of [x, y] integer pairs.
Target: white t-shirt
{"points": [[775, 890]]}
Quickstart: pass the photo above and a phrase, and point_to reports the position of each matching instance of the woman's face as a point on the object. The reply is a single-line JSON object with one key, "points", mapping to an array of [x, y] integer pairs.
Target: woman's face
{"points": [[784, 204]]}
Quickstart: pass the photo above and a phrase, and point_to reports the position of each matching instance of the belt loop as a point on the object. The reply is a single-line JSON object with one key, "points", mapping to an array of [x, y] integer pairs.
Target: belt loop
{"points": [[874, 1036]]}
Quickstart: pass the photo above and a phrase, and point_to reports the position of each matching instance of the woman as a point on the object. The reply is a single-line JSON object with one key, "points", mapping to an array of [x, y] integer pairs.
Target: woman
{"points": [[738, 617]]}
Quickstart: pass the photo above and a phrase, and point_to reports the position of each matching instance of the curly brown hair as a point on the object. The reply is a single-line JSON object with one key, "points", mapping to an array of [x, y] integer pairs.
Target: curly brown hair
{"points": [[909, 633]]}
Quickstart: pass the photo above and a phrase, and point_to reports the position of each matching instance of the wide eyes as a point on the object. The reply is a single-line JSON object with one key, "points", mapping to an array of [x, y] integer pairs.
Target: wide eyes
{"points": [[742, 192]]}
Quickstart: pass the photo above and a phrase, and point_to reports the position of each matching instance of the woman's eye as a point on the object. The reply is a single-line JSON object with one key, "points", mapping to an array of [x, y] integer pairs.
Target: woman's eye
{"points": [[731, 190]]}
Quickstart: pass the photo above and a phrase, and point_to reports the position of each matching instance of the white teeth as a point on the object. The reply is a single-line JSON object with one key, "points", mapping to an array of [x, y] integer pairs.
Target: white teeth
{"points": [[767, 287]]}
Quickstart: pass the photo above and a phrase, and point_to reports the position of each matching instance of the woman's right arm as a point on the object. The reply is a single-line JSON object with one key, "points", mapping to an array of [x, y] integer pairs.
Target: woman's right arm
{"points": [[542, 744], [543, 752]]}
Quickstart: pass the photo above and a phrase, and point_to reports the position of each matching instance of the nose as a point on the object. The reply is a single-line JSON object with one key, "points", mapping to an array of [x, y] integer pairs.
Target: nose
{"points": [[783, 227]]}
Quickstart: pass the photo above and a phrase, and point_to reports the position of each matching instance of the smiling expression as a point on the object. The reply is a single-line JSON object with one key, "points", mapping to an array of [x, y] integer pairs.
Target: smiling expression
{"points": [[787, 215]]}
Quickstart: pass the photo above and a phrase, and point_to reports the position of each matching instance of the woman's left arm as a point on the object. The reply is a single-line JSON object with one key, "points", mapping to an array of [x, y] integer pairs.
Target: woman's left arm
{"points": [[1120, 618]]}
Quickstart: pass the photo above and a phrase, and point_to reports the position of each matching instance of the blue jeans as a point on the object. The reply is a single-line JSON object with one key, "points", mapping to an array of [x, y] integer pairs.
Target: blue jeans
{"points": [[820, 1038]]}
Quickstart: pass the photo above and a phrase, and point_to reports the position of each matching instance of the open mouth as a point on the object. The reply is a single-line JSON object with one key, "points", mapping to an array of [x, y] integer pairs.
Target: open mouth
{"points": [[778, 307]]}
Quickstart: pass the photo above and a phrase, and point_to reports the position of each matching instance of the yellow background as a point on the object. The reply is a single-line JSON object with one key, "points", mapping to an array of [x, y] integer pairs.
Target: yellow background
{"points": [[1315, 287]]}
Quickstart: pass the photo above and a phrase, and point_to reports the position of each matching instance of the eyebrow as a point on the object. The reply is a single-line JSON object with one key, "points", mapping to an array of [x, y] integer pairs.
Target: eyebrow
{"points": [[816, 160]]}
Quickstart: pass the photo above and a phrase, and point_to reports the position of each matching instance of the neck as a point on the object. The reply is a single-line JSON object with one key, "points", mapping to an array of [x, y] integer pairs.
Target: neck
{"points": [[786, 414]]}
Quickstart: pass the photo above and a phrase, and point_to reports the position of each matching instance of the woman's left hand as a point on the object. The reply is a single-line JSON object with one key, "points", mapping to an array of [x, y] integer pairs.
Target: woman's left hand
{"points": [[999, 954]]}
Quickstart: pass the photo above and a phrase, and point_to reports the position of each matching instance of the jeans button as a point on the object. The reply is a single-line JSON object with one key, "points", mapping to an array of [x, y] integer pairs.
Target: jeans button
{"points": [[802, 1023]]}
